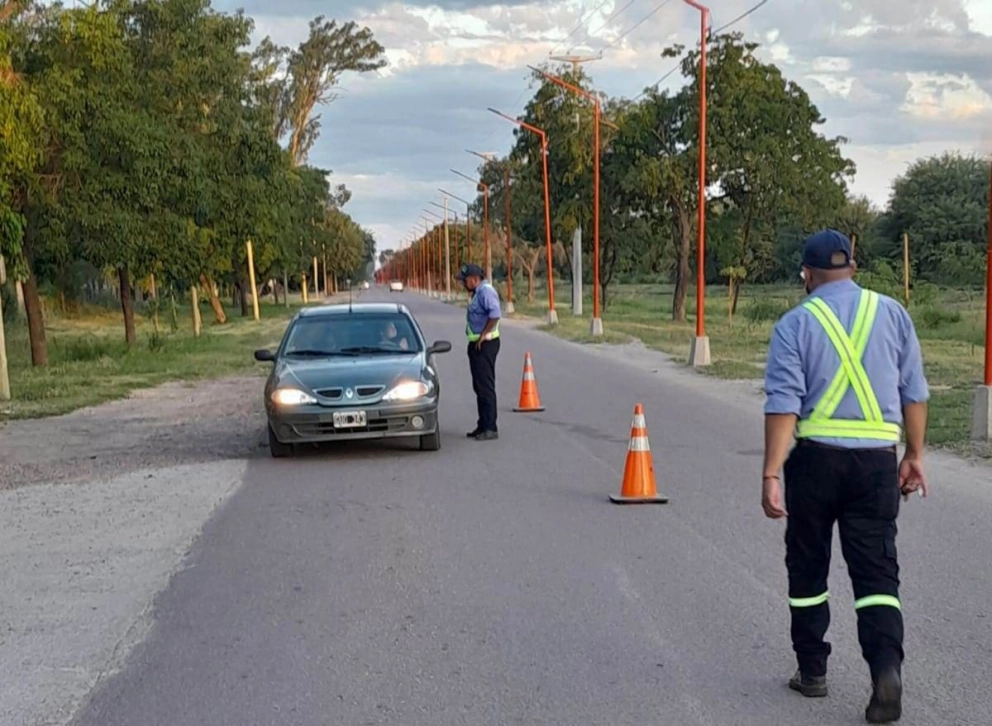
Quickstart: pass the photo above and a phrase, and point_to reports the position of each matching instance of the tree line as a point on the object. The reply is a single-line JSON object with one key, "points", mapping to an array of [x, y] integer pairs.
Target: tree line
{"points": [[773, 177], [148, 141]]}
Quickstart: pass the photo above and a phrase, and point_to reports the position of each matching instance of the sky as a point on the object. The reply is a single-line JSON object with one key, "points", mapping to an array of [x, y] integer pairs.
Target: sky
{"points": [[900, 79]]}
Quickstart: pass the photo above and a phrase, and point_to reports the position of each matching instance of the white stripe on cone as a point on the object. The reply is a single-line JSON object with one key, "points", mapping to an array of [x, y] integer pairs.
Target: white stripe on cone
{"points": [[639, 422], [639, 443], [529, 377]]}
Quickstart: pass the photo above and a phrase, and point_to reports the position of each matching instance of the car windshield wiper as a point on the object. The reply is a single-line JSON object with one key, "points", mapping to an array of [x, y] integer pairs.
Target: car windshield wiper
{"points": [[321, 353]]}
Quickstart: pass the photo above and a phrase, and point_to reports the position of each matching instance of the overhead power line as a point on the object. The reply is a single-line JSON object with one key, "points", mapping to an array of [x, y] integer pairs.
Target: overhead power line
{"points": [[638, 24], [582, 21]]}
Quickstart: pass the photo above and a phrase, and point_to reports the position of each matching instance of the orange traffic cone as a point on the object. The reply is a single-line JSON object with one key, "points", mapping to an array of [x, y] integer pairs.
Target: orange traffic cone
{"points": [[638, 475], [530, 401]]}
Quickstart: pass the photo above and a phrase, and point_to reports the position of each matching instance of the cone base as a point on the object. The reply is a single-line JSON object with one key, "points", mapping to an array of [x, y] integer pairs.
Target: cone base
{"points": [[657, 499], [517, 409]]}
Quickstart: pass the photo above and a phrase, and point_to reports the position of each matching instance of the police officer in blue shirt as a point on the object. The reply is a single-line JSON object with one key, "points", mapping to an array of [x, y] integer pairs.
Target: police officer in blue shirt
{"points": [[844, 378], [482, 330]]}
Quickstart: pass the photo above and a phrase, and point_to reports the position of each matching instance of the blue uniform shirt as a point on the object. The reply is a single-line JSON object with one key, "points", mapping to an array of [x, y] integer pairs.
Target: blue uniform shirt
{"points": [[483, 307], [802, 361]]}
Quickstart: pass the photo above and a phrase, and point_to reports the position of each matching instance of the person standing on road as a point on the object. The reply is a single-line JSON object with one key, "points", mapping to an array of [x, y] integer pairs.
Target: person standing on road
{"points": [[844, 372], [482, 329]]}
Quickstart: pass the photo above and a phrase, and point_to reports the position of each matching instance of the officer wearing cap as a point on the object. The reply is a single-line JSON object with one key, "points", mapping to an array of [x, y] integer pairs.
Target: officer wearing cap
{"points": [[482, 330], [844, 378]]}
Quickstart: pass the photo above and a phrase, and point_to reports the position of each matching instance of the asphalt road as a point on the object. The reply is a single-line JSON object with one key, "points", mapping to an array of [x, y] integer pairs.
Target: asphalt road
{"points": [[493, 583]]}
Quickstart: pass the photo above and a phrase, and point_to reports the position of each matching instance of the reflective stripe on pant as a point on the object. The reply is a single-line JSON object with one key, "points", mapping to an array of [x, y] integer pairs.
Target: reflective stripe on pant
{"points": [[482, 365], [858, 489]]}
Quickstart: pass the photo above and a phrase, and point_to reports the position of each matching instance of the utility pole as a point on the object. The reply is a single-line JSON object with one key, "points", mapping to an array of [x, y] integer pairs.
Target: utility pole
{"points": [[4, 378], [576, 61], [447, 255]]}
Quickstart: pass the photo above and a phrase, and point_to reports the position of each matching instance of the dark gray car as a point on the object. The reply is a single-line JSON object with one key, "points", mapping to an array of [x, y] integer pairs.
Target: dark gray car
{"points": [[345, 372]]}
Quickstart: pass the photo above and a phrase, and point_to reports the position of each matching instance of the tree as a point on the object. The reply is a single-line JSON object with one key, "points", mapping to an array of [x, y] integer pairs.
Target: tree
{"points": [[314, 71], [652, 179], [765, 154], [942, 203], [21, 128]]}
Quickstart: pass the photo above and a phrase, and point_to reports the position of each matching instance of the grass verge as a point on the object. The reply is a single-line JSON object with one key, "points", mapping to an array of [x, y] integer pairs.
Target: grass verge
{"points": [[950, 327], [90, 363]]}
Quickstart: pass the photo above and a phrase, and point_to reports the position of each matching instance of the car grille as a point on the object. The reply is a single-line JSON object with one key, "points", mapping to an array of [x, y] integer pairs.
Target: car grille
{"points": [[335, 394]]}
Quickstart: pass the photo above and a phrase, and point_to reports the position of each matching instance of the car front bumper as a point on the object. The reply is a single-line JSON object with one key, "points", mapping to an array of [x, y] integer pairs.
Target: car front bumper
{"points": [[315, 424]]}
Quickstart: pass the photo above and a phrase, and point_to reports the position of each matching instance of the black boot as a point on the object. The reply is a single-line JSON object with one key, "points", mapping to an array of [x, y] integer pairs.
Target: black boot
{"points": [[473, 434], [886, 698], [809, 686]]}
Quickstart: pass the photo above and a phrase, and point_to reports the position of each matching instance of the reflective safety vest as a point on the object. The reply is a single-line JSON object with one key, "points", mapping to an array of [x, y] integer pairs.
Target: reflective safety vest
{"points": [[473, 337], [851, 374]]}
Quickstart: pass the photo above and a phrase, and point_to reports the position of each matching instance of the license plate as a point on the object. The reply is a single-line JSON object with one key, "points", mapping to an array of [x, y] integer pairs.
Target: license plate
{"points": [[349, 419]]}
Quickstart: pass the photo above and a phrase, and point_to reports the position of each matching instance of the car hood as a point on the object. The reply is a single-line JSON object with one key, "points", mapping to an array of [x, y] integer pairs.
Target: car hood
{"points": [[381, 370]]}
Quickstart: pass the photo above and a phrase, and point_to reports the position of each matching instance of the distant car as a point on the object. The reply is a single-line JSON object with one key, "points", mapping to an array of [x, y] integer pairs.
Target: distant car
{"points": [[396, 286], [345, 372], [365, 285]]}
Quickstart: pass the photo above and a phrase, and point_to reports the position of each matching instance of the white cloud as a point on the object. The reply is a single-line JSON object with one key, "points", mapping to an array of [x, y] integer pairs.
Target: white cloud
{"points": [[900, 78]]}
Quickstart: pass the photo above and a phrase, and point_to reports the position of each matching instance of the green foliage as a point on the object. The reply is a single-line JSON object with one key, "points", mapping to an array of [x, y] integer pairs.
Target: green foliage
{"points": [[143, 136], [766, 309], [942, 204]]}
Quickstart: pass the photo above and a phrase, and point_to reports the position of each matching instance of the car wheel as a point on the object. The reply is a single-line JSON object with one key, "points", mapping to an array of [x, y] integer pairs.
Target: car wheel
{"points": [[431, 442], [278, 449]]}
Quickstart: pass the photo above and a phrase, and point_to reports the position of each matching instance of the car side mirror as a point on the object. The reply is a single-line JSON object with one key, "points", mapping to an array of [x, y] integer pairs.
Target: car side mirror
{"points": [[440, 346], [264, 356]]}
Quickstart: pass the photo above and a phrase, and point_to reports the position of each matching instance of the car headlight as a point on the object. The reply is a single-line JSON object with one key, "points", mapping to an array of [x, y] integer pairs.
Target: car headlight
{"points": [[291, 397], [407, 391]]}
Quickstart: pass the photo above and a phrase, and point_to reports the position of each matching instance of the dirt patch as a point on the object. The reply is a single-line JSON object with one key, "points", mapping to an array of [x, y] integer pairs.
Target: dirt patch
{"points": [[170, 425]]}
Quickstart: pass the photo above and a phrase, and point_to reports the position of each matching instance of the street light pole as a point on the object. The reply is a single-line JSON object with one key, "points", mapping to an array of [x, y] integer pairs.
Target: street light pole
{"points": [[485, 221], [447, 254], [552, 313], [447, 249], [982, 417], [509, 230], [699, 355], [596, 327]]}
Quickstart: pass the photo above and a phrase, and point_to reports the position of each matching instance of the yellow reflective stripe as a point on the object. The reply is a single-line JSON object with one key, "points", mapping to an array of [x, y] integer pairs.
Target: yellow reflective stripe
{"points": [[848, 429], [878, 600], [842, 344], [472, 337], [861, 331], [808, 602], [855, 371]]}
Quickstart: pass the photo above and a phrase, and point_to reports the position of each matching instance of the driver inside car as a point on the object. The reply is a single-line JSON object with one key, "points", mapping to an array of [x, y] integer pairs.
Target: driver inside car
{"points": [[390, 336]]}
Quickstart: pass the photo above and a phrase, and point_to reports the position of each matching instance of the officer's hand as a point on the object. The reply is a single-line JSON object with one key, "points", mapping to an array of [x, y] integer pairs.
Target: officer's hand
{"points": [[478, 344], [911, 477], [771, 499]]}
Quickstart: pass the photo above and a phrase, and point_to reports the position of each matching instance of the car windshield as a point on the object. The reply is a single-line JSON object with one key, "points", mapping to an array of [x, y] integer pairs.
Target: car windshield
{"points": [[351, 335]]}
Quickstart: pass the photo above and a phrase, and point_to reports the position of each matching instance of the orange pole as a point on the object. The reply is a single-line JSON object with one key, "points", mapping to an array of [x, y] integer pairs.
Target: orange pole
{"points": [[701, 241], [595, 183], [547, 201], [509, 243], [547, 223], [485, 235], [988, 294]]}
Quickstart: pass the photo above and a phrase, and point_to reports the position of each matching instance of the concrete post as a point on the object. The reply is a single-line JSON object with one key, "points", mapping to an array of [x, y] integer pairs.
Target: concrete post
{"points": [[981, 422], [577, 272]]}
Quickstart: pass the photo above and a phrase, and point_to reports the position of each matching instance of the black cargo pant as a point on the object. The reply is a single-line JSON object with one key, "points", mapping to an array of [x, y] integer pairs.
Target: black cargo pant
{"points": [[482, 364], [858, 489]]}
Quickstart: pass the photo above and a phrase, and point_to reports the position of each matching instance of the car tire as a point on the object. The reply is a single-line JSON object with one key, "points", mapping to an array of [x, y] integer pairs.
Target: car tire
{"points": [[431, 442], [278, 449]]}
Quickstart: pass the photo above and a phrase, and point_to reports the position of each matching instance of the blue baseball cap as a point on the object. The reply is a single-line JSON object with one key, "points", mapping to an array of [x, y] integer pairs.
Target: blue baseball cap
{"points": [[471, 270], [820, 249]]}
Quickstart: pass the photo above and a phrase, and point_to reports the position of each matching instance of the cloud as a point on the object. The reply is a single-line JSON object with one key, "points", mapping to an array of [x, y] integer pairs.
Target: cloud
{"points": [[899, 78]]}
